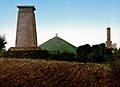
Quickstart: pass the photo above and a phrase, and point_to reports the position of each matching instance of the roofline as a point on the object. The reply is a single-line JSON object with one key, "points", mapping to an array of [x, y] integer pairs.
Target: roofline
{"points": [[61, 39], [33, 8]]}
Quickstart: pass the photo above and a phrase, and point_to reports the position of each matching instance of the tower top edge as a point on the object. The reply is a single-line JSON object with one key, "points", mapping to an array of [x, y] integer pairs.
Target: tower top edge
{"points": [[26, 7], [108, 28]]}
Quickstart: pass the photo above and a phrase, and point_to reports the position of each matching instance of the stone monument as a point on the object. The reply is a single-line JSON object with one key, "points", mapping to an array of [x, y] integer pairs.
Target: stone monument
{"points": [[109, 42], [26, 36]]}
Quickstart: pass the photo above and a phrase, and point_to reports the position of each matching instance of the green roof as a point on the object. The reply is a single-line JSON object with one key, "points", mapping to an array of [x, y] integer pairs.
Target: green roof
{"points": [[58, 44]]}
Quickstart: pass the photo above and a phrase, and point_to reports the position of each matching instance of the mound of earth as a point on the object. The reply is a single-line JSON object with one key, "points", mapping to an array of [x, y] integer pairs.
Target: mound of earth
{"points": [[41, 73]]}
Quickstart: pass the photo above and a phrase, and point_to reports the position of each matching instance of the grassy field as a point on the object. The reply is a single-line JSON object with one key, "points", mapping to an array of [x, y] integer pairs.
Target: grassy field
{"points": [[40, 73]]}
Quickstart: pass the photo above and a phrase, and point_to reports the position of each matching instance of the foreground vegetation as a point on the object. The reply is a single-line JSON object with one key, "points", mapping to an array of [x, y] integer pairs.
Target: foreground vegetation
{"points": [[2, 42], [40, 73], [28, 70]]}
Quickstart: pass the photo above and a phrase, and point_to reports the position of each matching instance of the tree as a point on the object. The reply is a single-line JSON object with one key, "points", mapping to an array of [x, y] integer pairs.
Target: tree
{"points": [[97, 53], [116, 55], [100, 53], [83, 53], [2, 42], [83, 50]]}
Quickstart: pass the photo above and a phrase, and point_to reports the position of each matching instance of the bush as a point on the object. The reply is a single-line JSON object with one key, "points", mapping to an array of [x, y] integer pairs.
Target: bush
{"points": [[63, 56], [39, 54], [97, 53], [115, 65]]}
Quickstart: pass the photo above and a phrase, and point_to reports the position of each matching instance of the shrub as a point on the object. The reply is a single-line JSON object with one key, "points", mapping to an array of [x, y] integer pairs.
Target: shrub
{"points": [[63, 56], [115, 65], [39, 54], [96, 53]]}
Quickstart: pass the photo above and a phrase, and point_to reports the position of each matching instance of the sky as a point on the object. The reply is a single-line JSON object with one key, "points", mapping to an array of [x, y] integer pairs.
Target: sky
{"points": [[79, 22]]}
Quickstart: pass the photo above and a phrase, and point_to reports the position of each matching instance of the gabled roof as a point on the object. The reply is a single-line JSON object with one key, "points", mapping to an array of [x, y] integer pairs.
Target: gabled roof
{"points": [[58, 44]]}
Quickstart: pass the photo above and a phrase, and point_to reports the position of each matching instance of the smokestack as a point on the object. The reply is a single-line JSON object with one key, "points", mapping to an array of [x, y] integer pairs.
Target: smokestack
{"points": [[109, 42], [108, 34]]}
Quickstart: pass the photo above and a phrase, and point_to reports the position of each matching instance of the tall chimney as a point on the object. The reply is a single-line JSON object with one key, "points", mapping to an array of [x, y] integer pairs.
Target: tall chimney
{"points": [[26, 36], [109, 42]]}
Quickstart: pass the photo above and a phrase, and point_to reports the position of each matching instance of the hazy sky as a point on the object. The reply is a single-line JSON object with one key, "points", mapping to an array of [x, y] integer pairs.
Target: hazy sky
{"points": [[76, 21]]}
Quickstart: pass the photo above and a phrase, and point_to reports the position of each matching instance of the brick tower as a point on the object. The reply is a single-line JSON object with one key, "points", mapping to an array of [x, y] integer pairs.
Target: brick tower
{"points": [[26, 36], [109, 42]]}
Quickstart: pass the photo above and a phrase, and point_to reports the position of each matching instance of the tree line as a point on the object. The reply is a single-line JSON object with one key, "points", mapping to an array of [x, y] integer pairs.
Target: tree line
{"points": [[98, 53]]}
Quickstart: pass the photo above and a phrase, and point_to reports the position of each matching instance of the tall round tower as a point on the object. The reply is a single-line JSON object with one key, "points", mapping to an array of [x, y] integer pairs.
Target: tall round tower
{"points": [[109, 42]]}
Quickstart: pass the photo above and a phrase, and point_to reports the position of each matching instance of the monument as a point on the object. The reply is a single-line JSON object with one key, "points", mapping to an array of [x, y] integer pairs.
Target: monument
{"points": [[109, 42], [26, 36]]}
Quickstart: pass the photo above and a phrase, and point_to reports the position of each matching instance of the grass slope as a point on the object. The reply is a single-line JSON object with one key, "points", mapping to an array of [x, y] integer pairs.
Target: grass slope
{"points": [[39, 73]]}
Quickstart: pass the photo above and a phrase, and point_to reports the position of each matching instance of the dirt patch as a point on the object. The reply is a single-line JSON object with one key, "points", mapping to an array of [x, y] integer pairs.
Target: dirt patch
{"points": [[40, 73]]}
